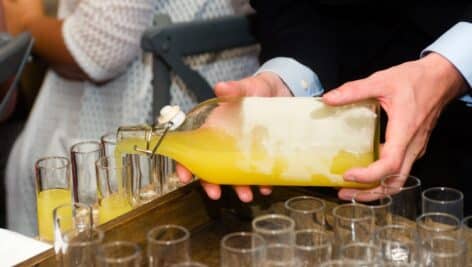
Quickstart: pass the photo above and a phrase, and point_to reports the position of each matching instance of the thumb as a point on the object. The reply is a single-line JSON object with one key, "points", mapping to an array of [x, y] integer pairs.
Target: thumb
{"points": [[351, 92], [229, 89]]}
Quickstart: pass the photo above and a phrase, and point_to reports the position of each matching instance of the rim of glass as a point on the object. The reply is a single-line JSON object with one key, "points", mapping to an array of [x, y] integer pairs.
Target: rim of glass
{"points": [[64, 160], [443, 189], [98, 234], [100, 165], [460, 243], [343, 262], [403, 187], [328, 241], [384, 196], [395, 227], [109, 137], [308, 211], [358, 205], [358, 244], [189, 263], [257, 236], [465, 222], [151, 239], [82, 205], [289, 228], [74, 148], [103, 258], [448, 227]]}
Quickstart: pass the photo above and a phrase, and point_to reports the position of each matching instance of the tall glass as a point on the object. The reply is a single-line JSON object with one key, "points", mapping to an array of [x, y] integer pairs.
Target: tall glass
{"points": [[108, 141], [52, 190], [437, 224], [409, 192], [353, 223], [278, 232], [114, 183], [380, 203], [242, 249], [313, 247], [146, 185], [84, 177], [397, 243], [167, 245], [467, 232], [307, 212], [443, 199], [79, 248], [443, 251], [119, 254], [70, 218]]}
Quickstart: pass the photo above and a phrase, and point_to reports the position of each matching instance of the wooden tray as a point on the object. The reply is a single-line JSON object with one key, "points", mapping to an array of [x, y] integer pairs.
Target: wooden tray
{"points": [[207, 220]]}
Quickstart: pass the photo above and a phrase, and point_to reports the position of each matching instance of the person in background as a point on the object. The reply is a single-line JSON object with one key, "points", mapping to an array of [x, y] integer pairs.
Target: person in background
{"points": [[98, 79], [413, 57]]}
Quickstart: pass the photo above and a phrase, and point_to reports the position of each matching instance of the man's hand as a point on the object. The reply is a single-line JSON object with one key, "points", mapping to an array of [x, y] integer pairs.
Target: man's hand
{"points": [[413, 95], [19, 13], [264, 84]]}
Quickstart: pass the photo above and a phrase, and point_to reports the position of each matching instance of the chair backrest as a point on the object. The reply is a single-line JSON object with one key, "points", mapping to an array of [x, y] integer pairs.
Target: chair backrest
{"points": [[14, 54], [170, 43]]}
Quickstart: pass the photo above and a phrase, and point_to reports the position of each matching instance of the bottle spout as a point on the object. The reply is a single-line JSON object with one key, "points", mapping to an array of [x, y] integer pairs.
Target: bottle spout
{"points": [[171, 115]]}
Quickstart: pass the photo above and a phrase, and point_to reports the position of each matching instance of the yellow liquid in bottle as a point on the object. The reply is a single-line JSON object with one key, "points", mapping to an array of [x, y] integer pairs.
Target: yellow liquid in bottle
{"points": [[47, 201], [217, 158], [113, 206]]}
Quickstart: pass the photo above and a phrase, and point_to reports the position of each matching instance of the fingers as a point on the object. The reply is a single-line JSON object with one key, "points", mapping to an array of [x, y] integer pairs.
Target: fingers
{"points": [[184, 175], [265, 190], [351, 92], [230, 89], [244, 193], [213, 191]]}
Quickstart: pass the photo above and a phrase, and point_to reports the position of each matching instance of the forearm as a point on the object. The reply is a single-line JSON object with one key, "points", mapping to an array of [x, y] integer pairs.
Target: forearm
{"points": [[50, 46]]}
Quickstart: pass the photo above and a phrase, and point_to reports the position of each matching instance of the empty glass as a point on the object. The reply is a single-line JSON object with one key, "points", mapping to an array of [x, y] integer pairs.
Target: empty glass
{"points": [[145, 184], [436, 223], [380, 203], [409, 193], [167, 245], [108, 141], [443, 251], [119, 254], [443, 199], [278, 233], [313, 247], [366, 252], [114, 187], [52, 190], [242, 249], [307, 212], [353, 222], [79, 248], [69, 219], [397, 243], [467, 233]]}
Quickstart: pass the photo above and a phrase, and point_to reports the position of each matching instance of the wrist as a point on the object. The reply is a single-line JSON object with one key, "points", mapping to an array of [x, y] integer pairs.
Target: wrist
{"points": [[446, 76]]}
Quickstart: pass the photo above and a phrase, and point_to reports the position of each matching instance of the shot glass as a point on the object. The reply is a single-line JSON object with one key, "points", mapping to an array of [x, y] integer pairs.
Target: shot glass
{"points": [[353, 222], [70, 218], [278, 232], [242, 249], [443, 251], [360, 251], [108, 142], [443, 199], [380, 203], [79, 248], [52, 190], [114, 187], [167, 245], [313, 247], [408, 192], [119, 254], [437, 224], [467, 233], [397, 244], [307, 212]]}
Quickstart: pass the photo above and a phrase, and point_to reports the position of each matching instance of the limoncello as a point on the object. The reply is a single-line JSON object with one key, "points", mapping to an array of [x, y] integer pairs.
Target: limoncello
{"points": [[47, 201], [112, 206], [270, 141]]}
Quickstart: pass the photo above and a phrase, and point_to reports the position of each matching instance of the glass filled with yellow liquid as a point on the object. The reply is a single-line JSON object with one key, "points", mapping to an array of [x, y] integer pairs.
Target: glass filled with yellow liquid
{"points": [[52, 190], [265, 141], [114, 187]]}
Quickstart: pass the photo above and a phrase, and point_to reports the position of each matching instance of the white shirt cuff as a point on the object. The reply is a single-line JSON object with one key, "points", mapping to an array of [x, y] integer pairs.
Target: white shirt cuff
{"points": [[301, 80], [455, 45]]}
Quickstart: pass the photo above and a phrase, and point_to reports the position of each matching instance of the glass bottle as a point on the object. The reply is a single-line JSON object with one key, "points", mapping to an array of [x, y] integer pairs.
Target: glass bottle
{"points": [[263, 141]]}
